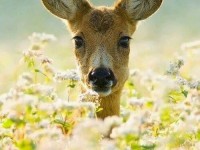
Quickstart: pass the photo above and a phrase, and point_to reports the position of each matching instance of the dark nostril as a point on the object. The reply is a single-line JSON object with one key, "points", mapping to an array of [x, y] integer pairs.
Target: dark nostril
{"points": [[110, 76], [101, 75]]}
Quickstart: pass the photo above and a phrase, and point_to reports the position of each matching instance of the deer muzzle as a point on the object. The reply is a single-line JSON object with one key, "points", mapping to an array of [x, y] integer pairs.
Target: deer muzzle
{"points": [[102, 80]]}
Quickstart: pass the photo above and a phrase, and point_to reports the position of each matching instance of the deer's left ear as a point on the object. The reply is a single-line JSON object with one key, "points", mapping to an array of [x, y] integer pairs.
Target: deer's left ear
{"points": [[67, 9], [138, 9]]}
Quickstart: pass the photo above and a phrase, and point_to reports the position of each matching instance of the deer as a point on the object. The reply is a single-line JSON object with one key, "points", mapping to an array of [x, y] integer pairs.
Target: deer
{"points": [[102, 37]]}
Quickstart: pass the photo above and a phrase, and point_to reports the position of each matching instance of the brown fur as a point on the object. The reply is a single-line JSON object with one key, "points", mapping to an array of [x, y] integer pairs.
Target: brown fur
{"points": [[101, 28], [101, 21]]}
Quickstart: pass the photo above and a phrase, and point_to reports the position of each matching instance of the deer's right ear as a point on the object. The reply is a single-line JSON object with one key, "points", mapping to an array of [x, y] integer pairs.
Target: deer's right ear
{"points": [[67, 9], [138, 9]]}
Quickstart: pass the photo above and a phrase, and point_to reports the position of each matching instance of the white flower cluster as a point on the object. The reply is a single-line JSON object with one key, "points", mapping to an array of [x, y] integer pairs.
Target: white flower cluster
{"points": [[174, 67], [157, 111], [151, 84], [41, 38], [67, 75], [190, 84], [90, 96], [92, 133], [191, 45]]}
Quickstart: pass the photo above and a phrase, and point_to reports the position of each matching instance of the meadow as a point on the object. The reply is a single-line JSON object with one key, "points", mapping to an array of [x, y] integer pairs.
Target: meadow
{"points": [[40, 102]]}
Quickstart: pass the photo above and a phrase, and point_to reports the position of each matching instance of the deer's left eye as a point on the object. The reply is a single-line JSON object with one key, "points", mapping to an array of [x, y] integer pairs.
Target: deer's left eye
{"points": [[79, 42], [124, 41]]}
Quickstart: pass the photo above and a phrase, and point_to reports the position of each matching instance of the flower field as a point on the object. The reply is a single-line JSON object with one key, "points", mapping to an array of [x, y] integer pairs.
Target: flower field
{"points": [[44, 109]]}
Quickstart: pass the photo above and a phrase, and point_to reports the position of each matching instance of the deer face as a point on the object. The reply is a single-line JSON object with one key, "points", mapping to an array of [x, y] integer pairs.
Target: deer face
{"points": [[102, 50], [101, 37]]}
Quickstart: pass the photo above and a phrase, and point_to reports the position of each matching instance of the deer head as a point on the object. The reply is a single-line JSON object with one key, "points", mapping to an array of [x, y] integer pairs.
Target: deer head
{"points": [[101, 37]]}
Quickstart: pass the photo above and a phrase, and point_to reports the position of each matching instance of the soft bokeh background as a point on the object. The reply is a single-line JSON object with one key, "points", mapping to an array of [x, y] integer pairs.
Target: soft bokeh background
{"points": [[155, 43]]}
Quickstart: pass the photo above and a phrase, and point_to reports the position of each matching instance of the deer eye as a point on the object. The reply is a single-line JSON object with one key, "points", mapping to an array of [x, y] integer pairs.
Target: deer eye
{"points": [[78, 42], [124, 41]]}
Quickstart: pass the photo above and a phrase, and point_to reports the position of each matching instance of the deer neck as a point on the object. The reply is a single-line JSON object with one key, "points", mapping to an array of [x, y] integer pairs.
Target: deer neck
{"points": [[110, 105]]}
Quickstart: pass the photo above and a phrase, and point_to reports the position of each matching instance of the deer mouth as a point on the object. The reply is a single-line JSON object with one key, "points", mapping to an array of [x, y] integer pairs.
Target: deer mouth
{"points": [[103, 89], [102, 80]]}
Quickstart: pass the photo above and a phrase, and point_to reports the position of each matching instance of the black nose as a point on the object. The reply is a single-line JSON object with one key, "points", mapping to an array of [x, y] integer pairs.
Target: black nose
{"points": [[102, 78]]}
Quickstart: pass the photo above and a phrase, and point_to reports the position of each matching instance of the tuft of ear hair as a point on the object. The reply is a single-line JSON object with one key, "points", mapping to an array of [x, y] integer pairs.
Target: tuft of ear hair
{"points": [[138, 9], [67, 9]]}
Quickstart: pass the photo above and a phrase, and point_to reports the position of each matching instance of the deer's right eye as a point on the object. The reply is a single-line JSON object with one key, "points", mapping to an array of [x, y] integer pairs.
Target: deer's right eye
{"points": [[78, 42], [124, 41]]}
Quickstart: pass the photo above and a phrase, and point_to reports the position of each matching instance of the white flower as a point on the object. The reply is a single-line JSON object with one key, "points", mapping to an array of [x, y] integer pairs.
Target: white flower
{"points": [[90, 96], [14, 108], [41, 37], [46, 107], [194, 98], [42, 89], [174, 67], [48, 143], [134, 72], [183, 126], [49, 68], [31, 53], [53, 144], [191, 45], [132, 126], [24, 80], [194, 84], [197, 145], [45, 60], [49, 138], [108, 145], [162, 86], [67, 75], [152, 117], [181, 81], [147, 140], [87, 135], [6, 143], [110, 123], [3, 98], [61, 105], [44, 123], [136, 102], [51, 132]]}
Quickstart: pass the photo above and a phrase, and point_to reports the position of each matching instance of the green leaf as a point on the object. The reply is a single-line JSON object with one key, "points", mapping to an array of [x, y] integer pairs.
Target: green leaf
{"points": [[99, 109], [26, 145], [7, 123], [149, 104], [167, 116], [150, 147], [176, 96], [185, 93], [37, 70], [198, 135]]}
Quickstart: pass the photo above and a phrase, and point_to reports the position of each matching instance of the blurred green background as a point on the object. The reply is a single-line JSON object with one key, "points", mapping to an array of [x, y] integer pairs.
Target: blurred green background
{"points": [[155, 42]]}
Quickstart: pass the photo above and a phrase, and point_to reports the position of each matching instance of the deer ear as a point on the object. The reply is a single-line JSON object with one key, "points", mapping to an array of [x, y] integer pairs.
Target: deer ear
{"points": [[138, 9], [66, 9]]}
